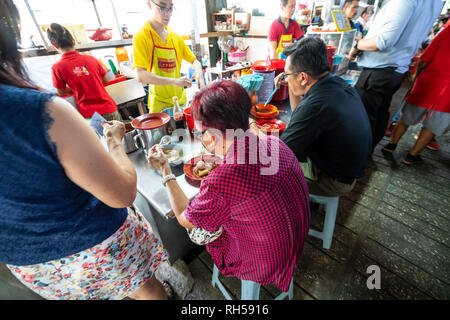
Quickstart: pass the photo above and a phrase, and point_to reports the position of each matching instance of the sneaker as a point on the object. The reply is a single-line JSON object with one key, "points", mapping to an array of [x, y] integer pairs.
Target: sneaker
{"points": [[434, 145], [390, 129], [390, 147], [410, 159]]}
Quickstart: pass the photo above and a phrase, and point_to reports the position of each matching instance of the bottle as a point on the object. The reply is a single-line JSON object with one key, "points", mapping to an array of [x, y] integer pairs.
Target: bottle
{"points": [[113, 66], [178, 115]]}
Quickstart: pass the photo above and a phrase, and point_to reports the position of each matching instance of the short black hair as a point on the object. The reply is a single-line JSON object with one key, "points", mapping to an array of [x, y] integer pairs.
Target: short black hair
{"points": [[284, 2], [308, 55], [60, 36]]}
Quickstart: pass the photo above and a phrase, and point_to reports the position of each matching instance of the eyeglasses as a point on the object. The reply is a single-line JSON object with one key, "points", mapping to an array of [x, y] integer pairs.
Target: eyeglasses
{"points": [[164, 9], [285, 75]]}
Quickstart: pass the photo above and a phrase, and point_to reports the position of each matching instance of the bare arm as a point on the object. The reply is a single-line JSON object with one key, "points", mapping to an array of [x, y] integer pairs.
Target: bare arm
{"points": [[178, 200], [420, 67], [105, 79], [368, 44], [146, 77], [63, 92], [110, 177], [199, 73], [273, 46]]}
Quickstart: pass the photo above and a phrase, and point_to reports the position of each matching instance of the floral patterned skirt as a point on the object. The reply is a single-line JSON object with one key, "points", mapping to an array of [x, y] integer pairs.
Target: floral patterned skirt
{"points": [[113, 269]]}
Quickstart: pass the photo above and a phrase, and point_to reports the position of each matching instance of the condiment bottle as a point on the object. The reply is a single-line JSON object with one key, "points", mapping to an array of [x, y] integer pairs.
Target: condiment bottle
{"points": [[178, 114]]}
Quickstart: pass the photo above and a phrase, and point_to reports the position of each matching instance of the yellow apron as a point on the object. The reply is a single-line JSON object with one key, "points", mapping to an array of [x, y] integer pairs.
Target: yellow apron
{"points": [[164, 64], [285, 41]]}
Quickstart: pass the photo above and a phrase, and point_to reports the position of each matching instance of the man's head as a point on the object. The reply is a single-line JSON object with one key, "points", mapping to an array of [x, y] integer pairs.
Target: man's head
{"points": [[287, 8], [161, 10], [367, 13], [351, 8], [307, 62]]}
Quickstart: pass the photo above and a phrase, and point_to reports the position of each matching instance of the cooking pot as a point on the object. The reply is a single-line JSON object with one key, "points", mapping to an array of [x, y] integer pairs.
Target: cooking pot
{"points": [[127, 140], [150, 128]]}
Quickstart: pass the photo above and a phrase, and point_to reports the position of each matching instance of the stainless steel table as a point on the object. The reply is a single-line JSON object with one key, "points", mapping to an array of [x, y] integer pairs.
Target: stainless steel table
{"points": [[153, 200]]}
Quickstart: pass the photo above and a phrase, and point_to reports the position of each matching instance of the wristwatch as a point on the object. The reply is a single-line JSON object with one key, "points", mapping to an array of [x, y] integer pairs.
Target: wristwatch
{"points": [[168, 178]]}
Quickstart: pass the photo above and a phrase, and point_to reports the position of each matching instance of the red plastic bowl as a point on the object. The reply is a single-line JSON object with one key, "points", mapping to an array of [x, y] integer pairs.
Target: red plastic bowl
{"points": [[271, 111], [119, 78], [150, 121], [189, 166], [99, 34], [271, 125]]}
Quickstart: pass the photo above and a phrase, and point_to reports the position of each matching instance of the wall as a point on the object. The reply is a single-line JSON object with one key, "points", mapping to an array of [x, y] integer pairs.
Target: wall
{"points": [[258, 47]]}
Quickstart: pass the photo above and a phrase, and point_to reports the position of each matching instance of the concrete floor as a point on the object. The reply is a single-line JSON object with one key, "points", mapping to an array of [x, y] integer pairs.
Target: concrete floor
{"points": [[397, 217]]}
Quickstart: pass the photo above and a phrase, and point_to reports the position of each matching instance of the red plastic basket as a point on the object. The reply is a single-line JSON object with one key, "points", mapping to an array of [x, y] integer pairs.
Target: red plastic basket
{"points": [[119, 78]]}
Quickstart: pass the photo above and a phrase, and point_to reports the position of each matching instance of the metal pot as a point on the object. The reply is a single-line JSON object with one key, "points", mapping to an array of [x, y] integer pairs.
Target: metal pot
{"points": [[128, 142], [150, 129]]}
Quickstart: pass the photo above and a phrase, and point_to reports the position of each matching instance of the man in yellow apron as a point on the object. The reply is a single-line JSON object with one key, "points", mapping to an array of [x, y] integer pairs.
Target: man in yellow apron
{"points": [[284, 30], [158, 54]]}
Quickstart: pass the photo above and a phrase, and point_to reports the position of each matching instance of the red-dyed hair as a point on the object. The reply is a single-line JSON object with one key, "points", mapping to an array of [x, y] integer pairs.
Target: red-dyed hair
{"points": [[222, 105]]}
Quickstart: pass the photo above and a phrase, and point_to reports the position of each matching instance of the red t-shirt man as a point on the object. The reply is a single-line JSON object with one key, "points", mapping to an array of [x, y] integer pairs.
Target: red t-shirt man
{"points": [[83, 74], [432, 87], [278, 31], [284, 31]]}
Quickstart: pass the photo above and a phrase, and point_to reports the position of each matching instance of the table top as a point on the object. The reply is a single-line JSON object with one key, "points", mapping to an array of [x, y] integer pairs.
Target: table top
{"points": [[149, 180], [149, 183]]}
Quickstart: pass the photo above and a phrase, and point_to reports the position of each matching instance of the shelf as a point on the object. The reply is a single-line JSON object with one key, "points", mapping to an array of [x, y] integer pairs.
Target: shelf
{"points": [[80, 47], [103, 44]]}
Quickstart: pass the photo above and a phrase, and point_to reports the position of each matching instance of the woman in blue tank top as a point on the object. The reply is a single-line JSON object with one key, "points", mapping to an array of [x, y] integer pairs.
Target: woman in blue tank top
{"points": [[65, 230]]}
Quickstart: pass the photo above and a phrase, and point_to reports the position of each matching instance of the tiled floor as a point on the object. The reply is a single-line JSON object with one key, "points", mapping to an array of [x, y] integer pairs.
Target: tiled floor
{"points": [[398, 218]]}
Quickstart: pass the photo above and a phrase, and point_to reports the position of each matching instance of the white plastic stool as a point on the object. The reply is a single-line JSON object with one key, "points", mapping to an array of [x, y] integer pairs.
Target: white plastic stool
{"points": [[249, 289], [331, 206]]}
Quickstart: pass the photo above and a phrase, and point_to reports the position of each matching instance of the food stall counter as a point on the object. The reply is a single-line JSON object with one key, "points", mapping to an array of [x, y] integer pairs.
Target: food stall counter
{"points": [[153, 201]]}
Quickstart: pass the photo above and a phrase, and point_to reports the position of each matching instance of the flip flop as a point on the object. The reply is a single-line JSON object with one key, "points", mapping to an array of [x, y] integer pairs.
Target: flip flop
{"points": [[169, 290]]}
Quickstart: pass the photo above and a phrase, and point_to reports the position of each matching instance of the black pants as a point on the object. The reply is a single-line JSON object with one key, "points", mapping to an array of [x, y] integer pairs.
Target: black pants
{"points": [[376, 88]]}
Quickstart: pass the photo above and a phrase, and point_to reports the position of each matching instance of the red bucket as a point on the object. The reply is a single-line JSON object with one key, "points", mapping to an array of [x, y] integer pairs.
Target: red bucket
{"points": [[189, 119], [276, 65]]}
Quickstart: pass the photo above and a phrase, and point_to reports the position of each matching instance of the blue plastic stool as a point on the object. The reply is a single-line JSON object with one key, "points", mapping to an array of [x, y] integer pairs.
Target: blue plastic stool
{"points": [[331, 206], [249, 289]]}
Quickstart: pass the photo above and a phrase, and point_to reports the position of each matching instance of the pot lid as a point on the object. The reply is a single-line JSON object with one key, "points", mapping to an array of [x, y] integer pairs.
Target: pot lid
{"points": [[150, 121]]}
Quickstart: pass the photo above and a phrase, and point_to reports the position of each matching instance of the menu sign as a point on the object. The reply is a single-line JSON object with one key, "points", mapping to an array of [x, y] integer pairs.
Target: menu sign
{"points": [[341, 21]]}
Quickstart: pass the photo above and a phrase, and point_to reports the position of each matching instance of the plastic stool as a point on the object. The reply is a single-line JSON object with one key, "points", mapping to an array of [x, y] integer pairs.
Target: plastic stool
{"points": [[331, 206], [249, 289]]}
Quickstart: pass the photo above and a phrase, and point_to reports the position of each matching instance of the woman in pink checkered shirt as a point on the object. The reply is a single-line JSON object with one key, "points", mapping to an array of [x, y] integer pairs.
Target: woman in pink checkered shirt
{"points": [[255, 206]]}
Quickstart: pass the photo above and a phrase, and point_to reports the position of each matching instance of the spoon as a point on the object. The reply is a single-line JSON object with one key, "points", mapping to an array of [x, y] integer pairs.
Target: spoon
{"points": [[202, 152], [273, 93], [165, 141]]}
